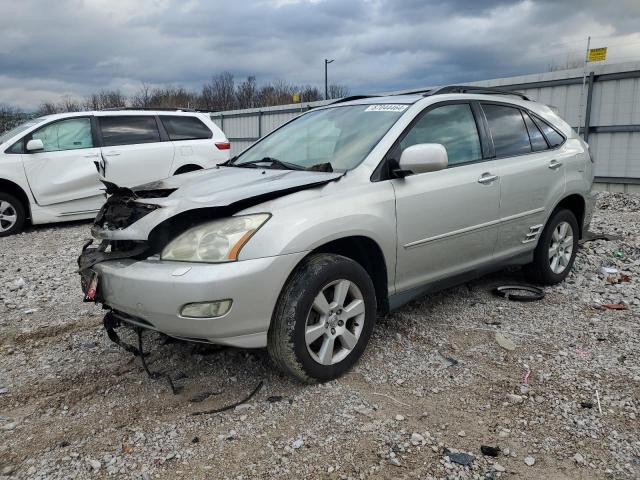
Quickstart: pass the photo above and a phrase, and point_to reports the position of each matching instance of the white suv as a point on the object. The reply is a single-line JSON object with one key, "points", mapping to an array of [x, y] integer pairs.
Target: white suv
{"points": [[50, 166]]}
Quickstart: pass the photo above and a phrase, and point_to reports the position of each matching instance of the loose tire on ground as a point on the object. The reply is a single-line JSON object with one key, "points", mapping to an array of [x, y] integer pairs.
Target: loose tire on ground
{"points": [[12, 215], [298, 319], [552, 241]]}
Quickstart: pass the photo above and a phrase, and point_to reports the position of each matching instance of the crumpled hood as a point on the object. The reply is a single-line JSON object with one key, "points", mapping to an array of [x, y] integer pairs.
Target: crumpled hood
{"points": [[217, 187], [225, 185]]}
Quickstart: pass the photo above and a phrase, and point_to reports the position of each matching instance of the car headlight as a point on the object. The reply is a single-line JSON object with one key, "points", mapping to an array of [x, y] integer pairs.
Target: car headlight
{"points": [[214, 242]]}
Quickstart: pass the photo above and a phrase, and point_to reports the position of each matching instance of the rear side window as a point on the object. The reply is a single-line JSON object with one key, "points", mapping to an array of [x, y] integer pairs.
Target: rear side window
{"points": [[454, 127], [68, 134], [185, 128], [509, 133], [128, 130], [535, 135], [553, 137]]}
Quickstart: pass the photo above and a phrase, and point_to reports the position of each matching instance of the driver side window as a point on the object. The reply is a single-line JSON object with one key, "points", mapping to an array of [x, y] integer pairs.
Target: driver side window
{"points": [[452, 126], [70, 134]]}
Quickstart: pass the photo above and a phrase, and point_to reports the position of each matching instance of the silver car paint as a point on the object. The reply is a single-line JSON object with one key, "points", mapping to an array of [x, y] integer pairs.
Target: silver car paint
{"points": [[429, 226], [216, 187]]}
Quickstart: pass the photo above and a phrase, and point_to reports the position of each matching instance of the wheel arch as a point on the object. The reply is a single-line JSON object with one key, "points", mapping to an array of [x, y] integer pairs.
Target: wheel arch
{"points": [[577, 205], [367, 253], [189, 167], [17, 191]]}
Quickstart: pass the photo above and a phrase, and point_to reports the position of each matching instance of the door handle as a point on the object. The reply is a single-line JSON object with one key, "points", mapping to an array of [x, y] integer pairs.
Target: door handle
{"points": [[112, 154], [487, 178], [554, 164], [93, 155]]}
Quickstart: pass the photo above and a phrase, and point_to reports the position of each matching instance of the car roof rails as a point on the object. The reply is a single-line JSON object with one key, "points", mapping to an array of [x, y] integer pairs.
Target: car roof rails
{"points": [[152, 109], [352, 97], [472, 89]]}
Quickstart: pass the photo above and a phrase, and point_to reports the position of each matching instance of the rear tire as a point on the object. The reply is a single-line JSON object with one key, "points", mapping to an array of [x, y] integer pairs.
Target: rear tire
{"points": [[12, 215], [556, 250], [312, 345]]}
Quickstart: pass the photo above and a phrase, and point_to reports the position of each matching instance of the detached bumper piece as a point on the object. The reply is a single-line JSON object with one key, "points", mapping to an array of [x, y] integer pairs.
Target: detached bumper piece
{"points": [[111, 322]]}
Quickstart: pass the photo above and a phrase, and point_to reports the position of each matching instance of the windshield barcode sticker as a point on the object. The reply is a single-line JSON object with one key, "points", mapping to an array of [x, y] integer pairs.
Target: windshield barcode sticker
{"points": [[386, 108]]}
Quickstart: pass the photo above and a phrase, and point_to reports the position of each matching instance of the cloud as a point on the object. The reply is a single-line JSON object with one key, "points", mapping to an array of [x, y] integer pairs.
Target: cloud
{"points": [[75, 47]]}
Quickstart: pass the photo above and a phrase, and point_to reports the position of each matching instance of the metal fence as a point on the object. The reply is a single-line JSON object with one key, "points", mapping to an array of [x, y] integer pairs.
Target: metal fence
{"points": [[607, 110]]}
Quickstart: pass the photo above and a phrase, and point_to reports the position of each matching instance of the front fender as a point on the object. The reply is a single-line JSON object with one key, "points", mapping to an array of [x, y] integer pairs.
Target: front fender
{"points": [[304, 222]]}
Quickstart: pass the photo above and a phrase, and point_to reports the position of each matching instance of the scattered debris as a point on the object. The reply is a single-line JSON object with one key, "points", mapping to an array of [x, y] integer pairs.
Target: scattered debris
{"points": [[520, 292], [490, 451], [586, 404], [598, 399], [525, 378], [417, 439], [233, 405], [609, 270], [274, 398], [297, 444], [195, 440], [126, 448], [499, 468], [529, 460], [614, 306], [578, 458], [202, 396], [460, 458], [505, 342]]}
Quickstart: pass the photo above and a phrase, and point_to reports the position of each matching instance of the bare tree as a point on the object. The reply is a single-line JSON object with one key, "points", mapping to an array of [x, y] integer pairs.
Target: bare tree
{"points": [[310, 94], [142, 99], [246, 93], [105, 99], [10, 117], [172, 97], [338, 91], [219, 94], [570, 63], [47, 108]]}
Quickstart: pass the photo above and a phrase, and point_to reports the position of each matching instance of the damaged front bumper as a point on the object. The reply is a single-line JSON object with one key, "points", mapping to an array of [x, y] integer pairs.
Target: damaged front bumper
{"points": [[151, 294]]}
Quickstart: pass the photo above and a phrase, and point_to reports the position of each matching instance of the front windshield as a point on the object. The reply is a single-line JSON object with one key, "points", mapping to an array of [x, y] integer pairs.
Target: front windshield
{"points": [[342, 136], [19, 129]]}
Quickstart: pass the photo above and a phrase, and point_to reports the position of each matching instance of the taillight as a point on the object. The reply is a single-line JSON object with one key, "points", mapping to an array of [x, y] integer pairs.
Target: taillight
{"points": [[223, 145]]}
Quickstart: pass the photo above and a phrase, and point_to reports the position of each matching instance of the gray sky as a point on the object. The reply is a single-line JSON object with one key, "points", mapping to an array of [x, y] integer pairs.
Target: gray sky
{"points": [[52, 49]]}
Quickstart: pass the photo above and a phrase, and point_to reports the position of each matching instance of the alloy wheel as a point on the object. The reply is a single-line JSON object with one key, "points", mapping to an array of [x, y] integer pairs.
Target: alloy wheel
{"points": [[561, 247], [8, 216], [335, 322]]}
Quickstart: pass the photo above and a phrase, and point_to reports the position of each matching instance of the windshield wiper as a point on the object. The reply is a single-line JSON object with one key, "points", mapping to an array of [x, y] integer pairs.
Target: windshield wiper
{"points": [[272, 161]]}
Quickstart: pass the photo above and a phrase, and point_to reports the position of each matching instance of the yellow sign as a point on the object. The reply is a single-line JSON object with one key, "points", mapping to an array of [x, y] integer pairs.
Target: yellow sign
{"points": [[296, 98], [597, 54]]}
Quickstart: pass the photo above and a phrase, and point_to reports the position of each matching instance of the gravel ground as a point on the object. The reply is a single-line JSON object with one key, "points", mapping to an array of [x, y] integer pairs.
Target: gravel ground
{"points": [[432, 388]]}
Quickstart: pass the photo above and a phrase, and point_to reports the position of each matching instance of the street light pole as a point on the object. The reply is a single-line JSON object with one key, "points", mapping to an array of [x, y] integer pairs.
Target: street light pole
{"points": [[326, 84]]}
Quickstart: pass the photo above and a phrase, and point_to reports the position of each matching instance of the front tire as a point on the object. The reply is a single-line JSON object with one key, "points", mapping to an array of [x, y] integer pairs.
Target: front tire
{"points": [[556, 250], [12, 215], [324, 318]]}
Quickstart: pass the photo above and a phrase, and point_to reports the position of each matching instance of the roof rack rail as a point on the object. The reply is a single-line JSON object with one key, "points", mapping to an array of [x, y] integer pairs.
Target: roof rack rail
{"points": [[352, 97], [158, 109], [472, 89], [417, 91]]}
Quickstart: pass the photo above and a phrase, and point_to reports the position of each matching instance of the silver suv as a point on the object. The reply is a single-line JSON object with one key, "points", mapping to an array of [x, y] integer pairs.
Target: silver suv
{"points": [[344, 213]]}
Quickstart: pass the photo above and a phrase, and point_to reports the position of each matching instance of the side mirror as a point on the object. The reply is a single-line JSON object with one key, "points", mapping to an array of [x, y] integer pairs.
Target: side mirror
{"points": [[34, 145], [422, 158]]}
